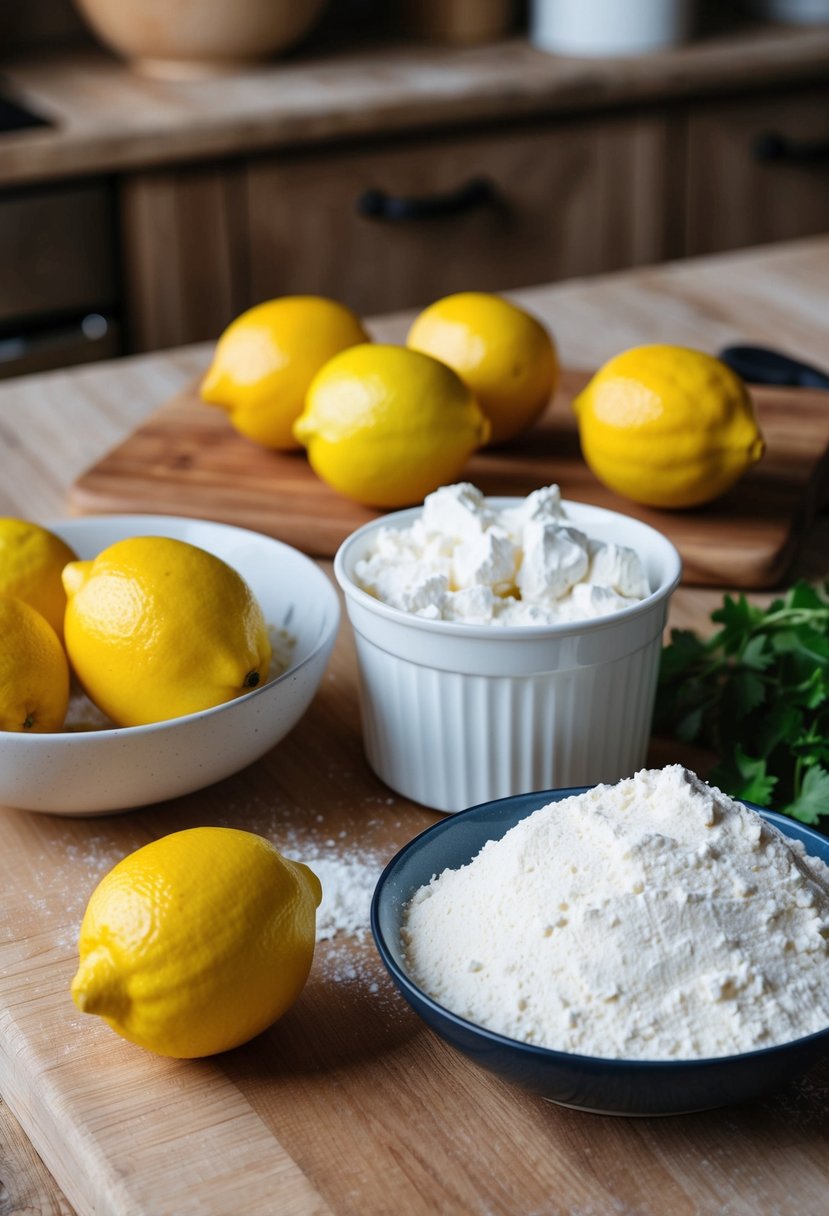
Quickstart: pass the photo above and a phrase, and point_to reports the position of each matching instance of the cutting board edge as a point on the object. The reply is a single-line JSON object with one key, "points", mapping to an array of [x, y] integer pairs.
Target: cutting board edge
{"points": [[761, 563]]}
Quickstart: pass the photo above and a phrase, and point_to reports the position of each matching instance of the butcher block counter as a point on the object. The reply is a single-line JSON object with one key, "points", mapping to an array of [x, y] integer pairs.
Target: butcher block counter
{"points": [[106, 118], [349, 1105]]}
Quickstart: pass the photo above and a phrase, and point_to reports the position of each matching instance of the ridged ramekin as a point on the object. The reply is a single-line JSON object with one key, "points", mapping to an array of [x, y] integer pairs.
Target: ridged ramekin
{"points": [[457, 714]]}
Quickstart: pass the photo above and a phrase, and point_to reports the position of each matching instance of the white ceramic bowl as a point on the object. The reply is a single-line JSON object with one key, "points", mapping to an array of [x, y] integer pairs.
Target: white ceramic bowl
{"points": [[454, 714], [97, 771]]}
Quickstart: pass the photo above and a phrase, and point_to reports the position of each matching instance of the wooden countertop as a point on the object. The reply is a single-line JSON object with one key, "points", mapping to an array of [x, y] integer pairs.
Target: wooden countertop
{"points": [[107, 119], [771, 1157]]}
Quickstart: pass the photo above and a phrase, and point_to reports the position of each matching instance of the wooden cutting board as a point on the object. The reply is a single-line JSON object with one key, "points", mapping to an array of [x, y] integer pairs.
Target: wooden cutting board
{"points": [[187, 459]]}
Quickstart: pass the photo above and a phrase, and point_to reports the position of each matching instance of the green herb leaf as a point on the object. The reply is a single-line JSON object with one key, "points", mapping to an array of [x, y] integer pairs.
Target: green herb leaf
{"points": [[813, 799], [757, 692], [745, 777]]}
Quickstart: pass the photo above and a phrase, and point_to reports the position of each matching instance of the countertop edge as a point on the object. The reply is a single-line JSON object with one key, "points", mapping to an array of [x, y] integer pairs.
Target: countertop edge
{"points": [[109, 120]]}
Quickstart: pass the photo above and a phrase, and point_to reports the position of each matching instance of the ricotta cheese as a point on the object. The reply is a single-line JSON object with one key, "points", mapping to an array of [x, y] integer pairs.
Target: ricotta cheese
{"points": [[466, 560], [651, 919]]}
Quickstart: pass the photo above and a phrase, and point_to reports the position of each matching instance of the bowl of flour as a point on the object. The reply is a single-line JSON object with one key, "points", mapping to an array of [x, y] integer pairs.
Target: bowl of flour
{"points": [[644, 947], [505, 644]]}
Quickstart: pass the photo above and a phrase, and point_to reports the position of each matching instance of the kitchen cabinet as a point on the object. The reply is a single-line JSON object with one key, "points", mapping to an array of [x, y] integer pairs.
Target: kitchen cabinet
{"points": [[757, 170], [396, 224], [59, 283], [385, 225], [398, 227], [390, 173]]}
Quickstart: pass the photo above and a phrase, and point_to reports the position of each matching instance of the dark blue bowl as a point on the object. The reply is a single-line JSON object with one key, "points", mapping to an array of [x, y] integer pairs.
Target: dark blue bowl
{"points": [[619, 1087]]}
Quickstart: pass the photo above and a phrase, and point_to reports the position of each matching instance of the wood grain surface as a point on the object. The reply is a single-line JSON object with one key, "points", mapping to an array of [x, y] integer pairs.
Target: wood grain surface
{"points": [[108, 119], [187, 459], [348, 1104]]}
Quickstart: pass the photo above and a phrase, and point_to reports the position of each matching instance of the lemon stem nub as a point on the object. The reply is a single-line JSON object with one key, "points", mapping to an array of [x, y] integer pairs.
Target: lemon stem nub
{"points": [[98, 987], [251, 679]]}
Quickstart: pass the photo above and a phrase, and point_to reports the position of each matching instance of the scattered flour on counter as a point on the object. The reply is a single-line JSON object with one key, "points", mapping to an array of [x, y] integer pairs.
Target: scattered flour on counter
{"points": [[347, 887], [651, 919], [347, 862], [345, 954]]}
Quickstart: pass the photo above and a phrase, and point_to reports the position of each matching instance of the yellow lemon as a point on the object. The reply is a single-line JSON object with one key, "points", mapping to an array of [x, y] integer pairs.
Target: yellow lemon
{"points": [[34, 673], [31, 561], [385, 425], [667, 426], [157, 628], [266, 358], [502, 353], [197, 942]]}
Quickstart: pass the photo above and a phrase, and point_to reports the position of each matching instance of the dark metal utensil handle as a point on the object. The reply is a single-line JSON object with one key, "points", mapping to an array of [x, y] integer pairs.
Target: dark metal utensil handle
{"points": [[774, 146], [392, 208], [762, 365]]}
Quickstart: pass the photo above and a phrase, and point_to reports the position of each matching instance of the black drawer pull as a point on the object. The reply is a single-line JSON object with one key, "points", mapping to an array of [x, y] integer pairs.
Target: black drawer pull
{"points": [[378, 205], [772, 146]]}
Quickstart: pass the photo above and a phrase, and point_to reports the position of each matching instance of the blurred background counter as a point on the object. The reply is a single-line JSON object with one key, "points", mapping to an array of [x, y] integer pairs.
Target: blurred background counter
{"points": [[382, 168]]}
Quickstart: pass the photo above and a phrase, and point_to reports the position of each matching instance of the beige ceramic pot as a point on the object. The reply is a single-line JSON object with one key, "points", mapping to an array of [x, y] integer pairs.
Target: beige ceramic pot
{"points": [[198, 37]]}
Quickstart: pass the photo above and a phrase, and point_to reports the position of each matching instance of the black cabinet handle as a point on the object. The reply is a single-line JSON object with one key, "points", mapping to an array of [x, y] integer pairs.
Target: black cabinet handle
{"points": [[773, 146], [391, 208]]}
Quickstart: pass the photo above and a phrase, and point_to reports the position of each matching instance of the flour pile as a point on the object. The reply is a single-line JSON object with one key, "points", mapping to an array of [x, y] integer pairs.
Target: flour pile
{"points": [[652, 919]]}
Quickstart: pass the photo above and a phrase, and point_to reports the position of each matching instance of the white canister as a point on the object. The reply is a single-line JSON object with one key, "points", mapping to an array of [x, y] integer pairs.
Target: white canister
{"points": [[609, 27]]}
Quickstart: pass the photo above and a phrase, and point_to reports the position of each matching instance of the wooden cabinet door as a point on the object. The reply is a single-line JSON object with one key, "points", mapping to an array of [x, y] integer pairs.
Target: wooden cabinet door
{"points": [[57, 253], [758, 170], [185, 253], [573, 198], [526, 205]]}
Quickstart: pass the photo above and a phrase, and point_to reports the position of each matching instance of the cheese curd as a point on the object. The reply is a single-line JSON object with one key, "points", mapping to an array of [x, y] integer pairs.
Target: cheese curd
{"points": [[464, 559]]}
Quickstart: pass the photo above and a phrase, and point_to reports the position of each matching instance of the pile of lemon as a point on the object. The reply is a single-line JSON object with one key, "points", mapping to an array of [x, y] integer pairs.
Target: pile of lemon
{"points": [[152, 628], [385, 425]]}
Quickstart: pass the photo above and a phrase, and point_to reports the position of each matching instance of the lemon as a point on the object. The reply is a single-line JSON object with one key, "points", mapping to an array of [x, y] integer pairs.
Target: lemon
{"points": [[31, 561], [266, 358], [667, 426], [34, 673], [385, 425], [197, 942], [157, 628], [501, 352]]}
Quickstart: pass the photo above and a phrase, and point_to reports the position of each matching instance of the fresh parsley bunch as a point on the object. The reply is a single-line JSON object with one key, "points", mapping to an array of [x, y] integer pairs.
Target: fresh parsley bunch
{"points": [[757, 693]]}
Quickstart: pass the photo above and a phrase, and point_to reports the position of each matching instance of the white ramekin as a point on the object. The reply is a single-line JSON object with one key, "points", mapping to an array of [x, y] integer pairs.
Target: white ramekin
{"points": [[457, 714]]}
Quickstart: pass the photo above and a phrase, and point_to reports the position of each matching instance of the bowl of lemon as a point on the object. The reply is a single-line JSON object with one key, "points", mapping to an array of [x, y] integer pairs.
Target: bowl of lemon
{"points": [[144, 657]]}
